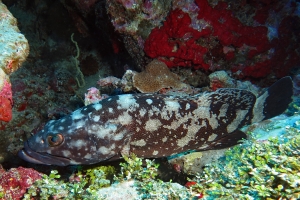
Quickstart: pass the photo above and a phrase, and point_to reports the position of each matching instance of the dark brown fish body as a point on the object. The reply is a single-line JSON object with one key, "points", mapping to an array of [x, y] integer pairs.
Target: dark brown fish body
{"points": [[152, 125]]}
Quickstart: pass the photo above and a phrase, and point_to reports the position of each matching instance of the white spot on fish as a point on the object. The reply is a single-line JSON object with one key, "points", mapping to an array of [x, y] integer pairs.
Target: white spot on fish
{"points": [[78, 143], [139, 143], [259, 108], [152, 125], [155, 153], [172, 105], [96, 118], [126, 101], [97, 106], [124, 119], [212, 137], [190, 135], [223, 110], [142, 112], [102, 131], [103, 150], [164, 139], [66, 153], [118, 136], [149, 101], [88, 156], [203, 146], [187, 106], [240, 116], [77, 115], [78, 124]]}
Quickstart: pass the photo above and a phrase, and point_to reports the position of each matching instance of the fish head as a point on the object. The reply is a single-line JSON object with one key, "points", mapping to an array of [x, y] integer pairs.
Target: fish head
{"points": [[74, 140], [46, 147]]}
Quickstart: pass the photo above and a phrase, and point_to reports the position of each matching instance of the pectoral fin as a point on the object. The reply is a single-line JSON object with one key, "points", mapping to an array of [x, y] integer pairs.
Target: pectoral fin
{"points": [[228, 140]]}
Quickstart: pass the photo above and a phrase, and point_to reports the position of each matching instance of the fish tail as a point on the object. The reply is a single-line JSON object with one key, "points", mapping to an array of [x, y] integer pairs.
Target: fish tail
{"points": [[274, 101]]}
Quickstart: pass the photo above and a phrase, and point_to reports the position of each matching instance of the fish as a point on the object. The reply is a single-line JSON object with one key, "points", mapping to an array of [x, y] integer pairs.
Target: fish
{"points": [[154, 125]]}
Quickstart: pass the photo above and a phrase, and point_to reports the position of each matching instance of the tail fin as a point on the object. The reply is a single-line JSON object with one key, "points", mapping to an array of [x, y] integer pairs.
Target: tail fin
{"points": [[274, 101]]}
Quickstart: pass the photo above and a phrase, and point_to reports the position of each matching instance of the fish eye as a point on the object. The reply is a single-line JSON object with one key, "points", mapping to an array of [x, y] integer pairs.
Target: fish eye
{"points": [[54, 140]]}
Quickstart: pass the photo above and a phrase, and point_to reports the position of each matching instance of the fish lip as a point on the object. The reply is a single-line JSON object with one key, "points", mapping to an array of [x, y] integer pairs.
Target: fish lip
{"points": [[29, 155]]}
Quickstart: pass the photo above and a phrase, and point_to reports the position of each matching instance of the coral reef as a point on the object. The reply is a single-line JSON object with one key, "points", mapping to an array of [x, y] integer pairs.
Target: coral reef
{"points": [[267, 169], [6, 101], [130, 17], [134, 181], [254, 46], [84, 184], [220, 79], [157, 76], [175, 42], [135, 19], [124, 84], [193, 163], [195, 78], [233, 39], [93, 96], [14, 51], [15, 182]]}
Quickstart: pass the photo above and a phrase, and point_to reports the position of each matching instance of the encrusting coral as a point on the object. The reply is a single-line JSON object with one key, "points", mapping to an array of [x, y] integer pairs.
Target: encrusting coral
{"points": [[15, 182], [156, 77]]}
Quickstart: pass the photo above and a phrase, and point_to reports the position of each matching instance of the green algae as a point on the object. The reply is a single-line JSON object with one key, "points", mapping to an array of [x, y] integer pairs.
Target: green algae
{"points": [[266, 169]]}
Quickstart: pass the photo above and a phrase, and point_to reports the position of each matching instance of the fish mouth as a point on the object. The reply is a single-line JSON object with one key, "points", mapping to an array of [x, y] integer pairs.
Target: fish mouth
{"points": [[29, 155]]}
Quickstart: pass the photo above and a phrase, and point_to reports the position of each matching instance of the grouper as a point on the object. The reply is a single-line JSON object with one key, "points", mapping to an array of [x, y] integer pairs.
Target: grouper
{"points": [[154, 125]]}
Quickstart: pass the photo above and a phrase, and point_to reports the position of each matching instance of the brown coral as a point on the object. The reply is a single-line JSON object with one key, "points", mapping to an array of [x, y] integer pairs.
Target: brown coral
{"points": [[156, 77]]}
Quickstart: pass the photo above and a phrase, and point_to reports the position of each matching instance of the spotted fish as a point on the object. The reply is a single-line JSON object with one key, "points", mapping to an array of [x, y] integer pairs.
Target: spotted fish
{"points": [[153, 125]]}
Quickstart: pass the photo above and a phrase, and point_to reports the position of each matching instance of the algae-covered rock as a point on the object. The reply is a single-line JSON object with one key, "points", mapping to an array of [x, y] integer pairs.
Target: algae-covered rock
{"points": [[13, 44], [14, 50]]}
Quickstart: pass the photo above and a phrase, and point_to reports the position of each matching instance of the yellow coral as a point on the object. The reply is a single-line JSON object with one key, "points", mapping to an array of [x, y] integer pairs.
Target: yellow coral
{"points": [[156, 77]]}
